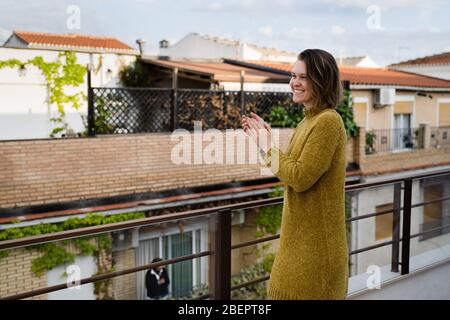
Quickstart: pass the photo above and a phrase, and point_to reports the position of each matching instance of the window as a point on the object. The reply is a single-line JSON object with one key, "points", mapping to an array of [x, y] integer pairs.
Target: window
{"points": [[383, 223], [402, 133], [444, 114], [184, 276]]}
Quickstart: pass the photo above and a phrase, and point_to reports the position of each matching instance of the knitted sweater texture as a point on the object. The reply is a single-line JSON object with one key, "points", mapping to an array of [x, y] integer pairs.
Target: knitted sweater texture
{"points": [[312, 258]]}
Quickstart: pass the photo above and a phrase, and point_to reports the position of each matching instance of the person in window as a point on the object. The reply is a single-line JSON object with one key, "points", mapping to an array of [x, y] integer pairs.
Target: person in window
{"points": [[157, 281], [312, 258]]}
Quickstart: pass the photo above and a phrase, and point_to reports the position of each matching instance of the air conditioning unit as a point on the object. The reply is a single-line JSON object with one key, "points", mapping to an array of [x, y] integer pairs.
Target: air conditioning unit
{"points": [[384, 97]]}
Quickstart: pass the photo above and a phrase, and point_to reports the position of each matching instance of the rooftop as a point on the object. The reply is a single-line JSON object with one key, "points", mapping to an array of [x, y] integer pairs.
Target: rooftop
{"points": [[262, 49], [218, 70], [68, 41], [441, 58], [363, 76]]}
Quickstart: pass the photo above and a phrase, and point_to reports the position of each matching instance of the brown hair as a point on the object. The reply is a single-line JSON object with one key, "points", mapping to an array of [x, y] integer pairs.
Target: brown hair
{"points": [[323, 74]]}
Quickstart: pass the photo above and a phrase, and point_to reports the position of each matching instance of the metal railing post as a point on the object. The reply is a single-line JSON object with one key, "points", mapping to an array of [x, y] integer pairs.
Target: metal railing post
{"points": [[242, 92], [406, 234], [90, 94], [222, 287], [396, 227], [174, 104]]}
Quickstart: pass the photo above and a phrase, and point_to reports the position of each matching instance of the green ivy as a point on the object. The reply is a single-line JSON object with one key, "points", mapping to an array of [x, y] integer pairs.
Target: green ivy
{"points": [[280, 118], [253, 292], [58, 75], [269, 217], [54, 254], [268, 262], [345, 109]]}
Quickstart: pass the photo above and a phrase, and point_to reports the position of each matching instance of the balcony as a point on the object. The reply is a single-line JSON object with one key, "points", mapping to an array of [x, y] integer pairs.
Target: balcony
{"points": [[203, 250], [397, 140]]}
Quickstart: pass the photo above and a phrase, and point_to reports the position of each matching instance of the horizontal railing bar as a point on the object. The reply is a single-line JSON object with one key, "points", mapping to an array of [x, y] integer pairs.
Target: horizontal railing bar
{"points": [[369, 215], [376, 246], [202, 297], [389, 211], [253, 242], [107, 275], [358, 186], [428, 202], [249, 283], [429, 231]]}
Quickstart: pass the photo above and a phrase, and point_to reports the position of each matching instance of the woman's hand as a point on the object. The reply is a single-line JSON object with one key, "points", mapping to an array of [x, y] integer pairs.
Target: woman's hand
{"points": [[258, 130]]}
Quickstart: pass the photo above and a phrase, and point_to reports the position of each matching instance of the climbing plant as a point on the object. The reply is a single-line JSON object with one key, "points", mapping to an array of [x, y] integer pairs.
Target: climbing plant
{"points": [[59, 75], [269, 217], [55, 254], [345, 109], [280, 118]]}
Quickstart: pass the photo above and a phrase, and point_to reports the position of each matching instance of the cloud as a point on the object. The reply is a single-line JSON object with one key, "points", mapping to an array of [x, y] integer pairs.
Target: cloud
{"points": [[266, 31]]}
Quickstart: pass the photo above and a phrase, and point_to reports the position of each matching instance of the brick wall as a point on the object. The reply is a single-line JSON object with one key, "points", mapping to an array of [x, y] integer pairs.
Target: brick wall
{"points": [[411, 160], [16, 275], [124, 287], [51, 171]]}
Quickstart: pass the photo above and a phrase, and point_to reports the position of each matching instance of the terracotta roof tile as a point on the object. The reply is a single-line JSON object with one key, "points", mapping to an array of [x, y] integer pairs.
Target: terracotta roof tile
{"points": [[370, 76], [72, 40], [441, 58], [381, 76]]}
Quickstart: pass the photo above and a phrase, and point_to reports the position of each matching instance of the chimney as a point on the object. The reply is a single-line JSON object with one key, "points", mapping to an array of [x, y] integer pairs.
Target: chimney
{"points": [[141, 44], [164, 44]]}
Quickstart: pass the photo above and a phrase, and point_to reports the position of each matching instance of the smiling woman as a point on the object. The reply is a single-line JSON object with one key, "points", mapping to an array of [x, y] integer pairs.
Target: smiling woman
{"points": [[312, 259]]}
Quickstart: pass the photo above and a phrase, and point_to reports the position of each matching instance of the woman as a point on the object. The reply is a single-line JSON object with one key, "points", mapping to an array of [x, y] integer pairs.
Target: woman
{"points": [[312, 259]]}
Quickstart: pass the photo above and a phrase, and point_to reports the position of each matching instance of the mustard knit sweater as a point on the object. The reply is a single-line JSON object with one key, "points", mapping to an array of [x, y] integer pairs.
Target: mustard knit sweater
{"points": [[312, 258]]}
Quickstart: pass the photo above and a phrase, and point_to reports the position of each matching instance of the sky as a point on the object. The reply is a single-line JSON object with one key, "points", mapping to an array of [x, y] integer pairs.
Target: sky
{"points": [[388, 31]]}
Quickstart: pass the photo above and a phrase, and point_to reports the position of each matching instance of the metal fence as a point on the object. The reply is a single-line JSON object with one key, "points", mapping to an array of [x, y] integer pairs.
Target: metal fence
{"points": [[440, 136], [139, 110], [385, 140], [222, 249]]}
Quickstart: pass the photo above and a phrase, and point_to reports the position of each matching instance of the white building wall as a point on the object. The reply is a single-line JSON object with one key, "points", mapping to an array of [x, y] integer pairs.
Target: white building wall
{"points": [[87, 268], [248, 53], [24, 100], [196, 47]]}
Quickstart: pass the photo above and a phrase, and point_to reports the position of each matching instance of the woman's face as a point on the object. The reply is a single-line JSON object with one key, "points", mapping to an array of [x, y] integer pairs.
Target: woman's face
{"points": [[299, 83]]}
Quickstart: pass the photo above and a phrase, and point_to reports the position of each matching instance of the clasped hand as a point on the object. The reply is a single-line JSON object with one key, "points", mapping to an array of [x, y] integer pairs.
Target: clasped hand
{"points": [[258, 130]]}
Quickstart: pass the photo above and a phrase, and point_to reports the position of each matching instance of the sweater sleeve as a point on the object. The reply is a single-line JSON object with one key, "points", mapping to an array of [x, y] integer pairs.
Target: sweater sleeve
{"points": [[315, 159]]}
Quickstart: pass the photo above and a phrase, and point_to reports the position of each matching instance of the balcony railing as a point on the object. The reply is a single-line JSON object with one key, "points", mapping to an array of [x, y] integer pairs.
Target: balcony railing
{"points": [[440, 136], [222, 246], [386, 140]]}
